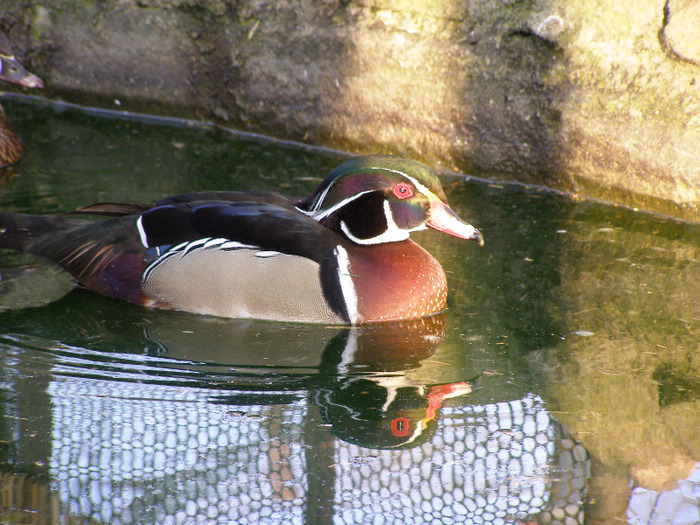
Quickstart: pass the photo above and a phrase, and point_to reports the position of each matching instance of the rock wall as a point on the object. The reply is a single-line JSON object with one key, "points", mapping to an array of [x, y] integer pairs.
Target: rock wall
{"points": [[599, 98]]}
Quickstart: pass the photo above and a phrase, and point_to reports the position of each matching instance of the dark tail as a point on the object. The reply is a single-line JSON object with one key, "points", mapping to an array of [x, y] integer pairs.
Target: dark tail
{"points": [[17, 230]]}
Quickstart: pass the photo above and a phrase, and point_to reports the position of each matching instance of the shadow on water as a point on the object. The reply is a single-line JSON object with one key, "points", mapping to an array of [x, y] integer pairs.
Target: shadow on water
{"points": [[572, 312]]}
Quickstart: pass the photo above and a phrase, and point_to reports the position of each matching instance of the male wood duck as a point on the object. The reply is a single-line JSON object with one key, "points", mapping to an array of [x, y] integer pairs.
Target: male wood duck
{"points": [[12, 71], [341, 256]]}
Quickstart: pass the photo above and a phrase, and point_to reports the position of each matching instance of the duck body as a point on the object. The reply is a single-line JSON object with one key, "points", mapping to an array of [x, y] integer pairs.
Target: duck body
{"points": [[12, 71], [11, 149], [341, 256]]}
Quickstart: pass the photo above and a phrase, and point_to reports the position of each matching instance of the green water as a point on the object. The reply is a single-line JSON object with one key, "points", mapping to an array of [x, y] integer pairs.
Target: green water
{"points": [[561, 384]]}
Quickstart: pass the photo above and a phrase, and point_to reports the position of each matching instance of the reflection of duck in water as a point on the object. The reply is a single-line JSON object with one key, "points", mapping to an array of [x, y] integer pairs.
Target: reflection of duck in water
{"points": [[12, 71], [367, 387], [370, 400], [368, 382]]}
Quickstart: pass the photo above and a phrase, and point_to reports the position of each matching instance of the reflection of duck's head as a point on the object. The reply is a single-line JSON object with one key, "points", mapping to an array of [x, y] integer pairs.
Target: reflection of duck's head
{"points": [[376, 414], [12, 71], [370, 401]]}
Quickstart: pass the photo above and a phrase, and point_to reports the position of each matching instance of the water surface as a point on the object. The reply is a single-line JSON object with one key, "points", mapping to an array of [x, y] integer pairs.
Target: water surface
{"points": [[559, 387]]}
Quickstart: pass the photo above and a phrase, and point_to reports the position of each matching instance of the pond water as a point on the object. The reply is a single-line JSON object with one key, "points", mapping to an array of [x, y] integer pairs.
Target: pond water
{"points": [[561, 385]]}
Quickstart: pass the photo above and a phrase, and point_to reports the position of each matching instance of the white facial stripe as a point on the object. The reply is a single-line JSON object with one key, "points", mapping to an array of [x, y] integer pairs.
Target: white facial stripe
{"points": [[314, 212], [420, 187], [420, 426], [346, 284], [321, 198], [392, 234], [142, 232], [329, 211], [391, 392]]}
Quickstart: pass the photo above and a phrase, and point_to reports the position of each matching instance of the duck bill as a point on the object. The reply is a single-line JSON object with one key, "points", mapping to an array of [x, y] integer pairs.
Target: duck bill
{"points": [[443, 219], [12, 71]]}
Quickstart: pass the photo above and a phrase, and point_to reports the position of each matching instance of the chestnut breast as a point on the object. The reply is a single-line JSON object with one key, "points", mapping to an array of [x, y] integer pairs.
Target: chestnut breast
{"points": [[397, 280]]}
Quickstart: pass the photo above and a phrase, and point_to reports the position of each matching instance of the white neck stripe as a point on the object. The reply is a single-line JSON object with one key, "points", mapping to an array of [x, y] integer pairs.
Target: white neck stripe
{"points": [[348, 356], [142, 232], [346, 284]]}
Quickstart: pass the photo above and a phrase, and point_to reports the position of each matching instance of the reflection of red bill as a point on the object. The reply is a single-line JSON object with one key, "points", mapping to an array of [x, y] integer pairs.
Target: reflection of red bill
{"points": [[401, 426], [437, 395]]}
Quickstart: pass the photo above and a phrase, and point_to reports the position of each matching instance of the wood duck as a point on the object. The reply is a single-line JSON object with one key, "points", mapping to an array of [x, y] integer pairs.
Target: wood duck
{"points": [[12, 71], [341, 256]]}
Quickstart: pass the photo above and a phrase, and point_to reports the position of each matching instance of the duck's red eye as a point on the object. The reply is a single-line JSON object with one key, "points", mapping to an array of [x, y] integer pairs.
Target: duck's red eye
{"points": [[403, 191], [400, 426]]}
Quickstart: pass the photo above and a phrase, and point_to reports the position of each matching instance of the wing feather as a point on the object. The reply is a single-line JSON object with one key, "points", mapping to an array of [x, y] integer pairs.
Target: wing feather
{"points": [[110, 256]]}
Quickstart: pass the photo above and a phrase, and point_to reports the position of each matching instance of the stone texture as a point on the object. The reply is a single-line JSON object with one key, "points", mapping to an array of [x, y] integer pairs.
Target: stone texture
{"points": [[597, 98], [679, 33]]}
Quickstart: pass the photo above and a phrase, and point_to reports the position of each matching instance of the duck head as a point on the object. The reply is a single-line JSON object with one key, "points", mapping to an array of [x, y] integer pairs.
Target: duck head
{"points": [[11, 70], [380, 198]]}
